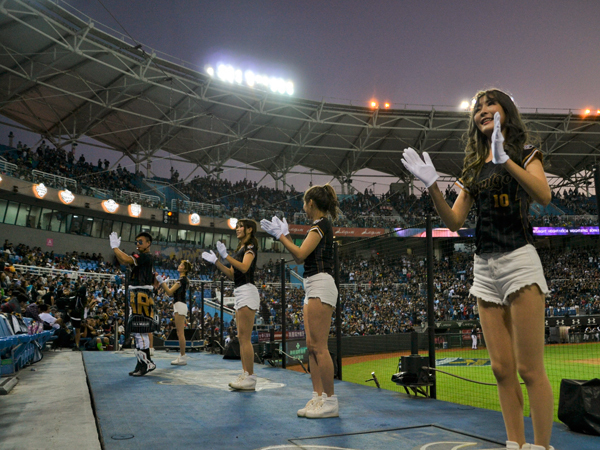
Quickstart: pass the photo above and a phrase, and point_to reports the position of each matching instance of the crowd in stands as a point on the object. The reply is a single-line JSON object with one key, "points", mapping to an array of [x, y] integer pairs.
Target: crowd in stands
{"points": [[380, 295], [246, 199]]}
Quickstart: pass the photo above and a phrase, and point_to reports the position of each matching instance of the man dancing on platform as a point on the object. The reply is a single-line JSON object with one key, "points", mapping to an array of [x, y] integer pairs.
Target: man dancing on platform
{"points": [[141, 302]]}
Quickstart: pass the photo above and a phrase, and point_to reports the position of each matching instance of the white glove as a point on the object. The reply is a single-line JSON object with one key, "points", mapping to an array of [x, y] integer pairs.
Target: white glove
{"points": [[115, 240], [282, 224], [499, 156], [161, 279], [222, 250], [210, 257], [423, 170], [271, 227]]}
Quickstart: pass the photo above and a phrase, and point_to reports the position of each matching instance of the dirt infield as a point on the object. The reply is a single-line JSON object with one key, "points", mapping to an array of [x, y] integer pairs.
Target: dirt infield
{"points": [[592, 361]]}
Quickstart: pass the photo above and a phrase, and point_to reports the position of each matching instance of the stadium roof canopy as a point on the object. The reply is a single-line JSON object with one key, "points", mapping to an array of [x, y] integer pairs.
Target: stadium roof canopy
{"points": [[65, 78]]}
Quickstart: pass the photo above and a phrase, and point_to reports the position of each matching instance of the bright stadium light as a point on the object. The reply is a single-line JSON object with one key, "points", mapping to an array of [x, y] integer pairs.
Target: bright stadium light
{"points": [[386, 105], [250, 78], [373, 104], [230, 74], [465, 105]]}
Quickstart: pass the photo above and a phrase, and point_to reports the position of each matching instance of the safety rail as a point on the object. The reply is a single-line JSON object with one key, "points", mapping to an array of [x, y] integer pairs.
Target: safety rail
{"points": [[54, 181], [132, 196], [8, 168], [73, 274], [204, 209]]}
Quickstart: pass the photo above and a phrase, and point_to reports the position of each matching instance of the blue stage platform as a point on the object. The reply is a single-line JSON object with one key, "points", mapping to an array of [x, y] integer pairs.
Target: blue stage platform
{"points": [[192, 407]]}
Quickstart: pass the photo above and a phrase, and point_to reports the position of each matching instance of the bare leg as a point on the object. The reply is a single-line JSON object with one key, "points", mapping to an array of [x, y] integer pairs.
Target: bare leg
{"points": [[527, 310], [180, 326], [317, 323], [498, 332], [245, 322]]}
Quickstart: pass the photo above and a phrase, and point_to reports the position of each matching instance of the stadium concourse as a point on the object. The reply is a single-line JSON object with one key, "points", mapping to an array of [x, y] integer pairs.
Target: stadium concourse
{"points": [[192, 407]]}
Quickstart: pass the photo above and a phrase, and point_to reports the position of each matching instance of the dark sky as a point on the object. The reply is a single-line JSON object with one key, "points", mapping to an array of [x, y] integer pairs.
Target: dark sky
{"points": [[417, 53], [546, 53]]}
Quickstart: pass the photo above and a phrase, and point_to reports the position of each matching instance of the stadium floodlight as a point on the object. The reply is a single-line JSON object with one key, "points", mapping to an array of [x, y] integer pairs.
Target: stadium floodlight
{"points": [[386, 105], [373, 104], [230, 74], [39, 190], [465, 105], [135, 210], [110, 206], [66, 196], [250, 78]]}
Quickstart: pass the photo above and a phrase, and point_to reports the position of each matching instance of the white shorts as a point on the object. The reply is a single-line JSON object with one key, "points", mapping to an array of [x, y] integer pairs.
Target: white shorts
{"points": [[246, 295], [180, 308], [497, 275], [321, 286]]}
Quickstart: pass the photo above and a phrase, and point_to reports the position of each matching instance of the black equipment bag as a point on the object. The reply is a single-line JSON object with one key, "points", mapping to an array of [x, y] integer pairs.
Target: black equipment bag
{"points": [[579, 405]]}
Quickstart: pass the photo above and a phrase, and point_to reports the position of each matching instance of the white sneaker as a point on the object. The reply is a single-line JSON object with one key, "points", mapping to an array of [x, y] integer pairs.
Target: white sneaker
{"points": [[180, 361], [510, 445], [244, 382], [327, 407], [535, 447], [316, 398]]}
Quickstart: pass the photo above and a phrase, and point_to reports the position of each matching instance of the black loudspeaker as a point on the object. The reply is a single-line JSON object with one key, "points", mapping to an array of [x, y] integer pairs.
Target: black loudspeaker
{"points": [[411, 370], [579, 405], [232, 349], [191, 334]]}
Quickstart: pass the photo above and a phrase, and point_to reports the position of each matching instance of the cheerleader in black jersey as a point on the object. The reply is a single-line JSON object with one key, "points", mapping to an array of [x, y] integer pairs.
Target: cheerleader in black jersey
{"points": [[316, 252], [502, 173], [180, 308], [247, 301], [143, 319]]}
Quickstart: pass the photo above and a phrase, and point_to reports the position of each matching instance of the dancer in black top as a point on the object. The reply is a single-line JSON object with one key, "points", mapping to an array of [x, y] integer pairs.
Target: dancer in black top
{"points": [[501, 179], [247, 300], [316, 252], [142, 320], [180, 308]]}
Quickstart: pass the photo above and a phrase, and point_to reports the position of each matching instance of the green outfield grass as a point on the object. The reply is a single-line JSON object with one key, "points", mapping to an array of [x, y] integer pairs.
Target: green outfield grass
{"points": [[572, 361]]}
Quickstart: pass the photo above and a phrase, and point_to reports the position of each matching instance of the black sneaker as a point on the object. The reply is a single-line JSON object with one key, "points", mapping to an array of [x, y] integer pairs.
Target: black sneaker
{"points": [[138, 366], [141, 372]]}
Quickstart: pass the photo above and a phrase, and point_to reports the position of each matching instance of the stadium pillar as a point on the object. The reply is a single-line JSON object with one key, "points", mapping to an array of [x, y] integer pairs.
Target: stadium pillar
{"points": [[283, 318], [202, 308], [221, 324], [338, 312], [597, 190], [430, 299]]}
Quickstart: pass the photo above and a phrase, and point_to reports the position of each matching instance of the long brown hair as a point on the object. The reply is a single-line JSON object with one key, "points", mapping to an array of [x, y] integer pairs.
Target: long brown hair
{"points": [[477, 144], [187, 266], [251, 239], [325, 199]]}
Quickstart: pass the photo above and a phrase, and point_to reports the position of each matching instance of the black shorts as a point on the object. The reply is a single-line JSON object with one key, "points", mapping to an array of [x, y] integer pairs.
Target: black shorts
{"points": [[75, 317]]}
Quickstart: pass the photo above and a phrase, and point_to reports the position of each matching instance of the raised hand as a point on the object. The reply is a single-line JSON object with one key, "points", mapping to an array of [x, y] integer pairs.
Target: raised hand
{"points": [[222, 249], [283, 225], [161, 279], [115, 240], [210, 257], [271, 227], [423, 169], [499, 156]]}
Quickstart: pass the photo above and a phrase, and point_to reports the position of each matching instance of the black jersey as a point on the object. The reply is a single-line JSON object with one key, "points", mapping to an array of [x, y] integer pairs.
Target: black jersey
{"points": [[502, 207], [180, 293], [143, 270], [321, 259], [239, 278]]}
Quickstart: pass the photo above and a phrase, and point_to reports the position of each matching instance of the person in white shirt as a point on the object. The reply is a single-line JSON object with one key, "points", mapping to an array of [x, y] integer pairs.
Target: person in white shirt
{"points": [[49, 318]]}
